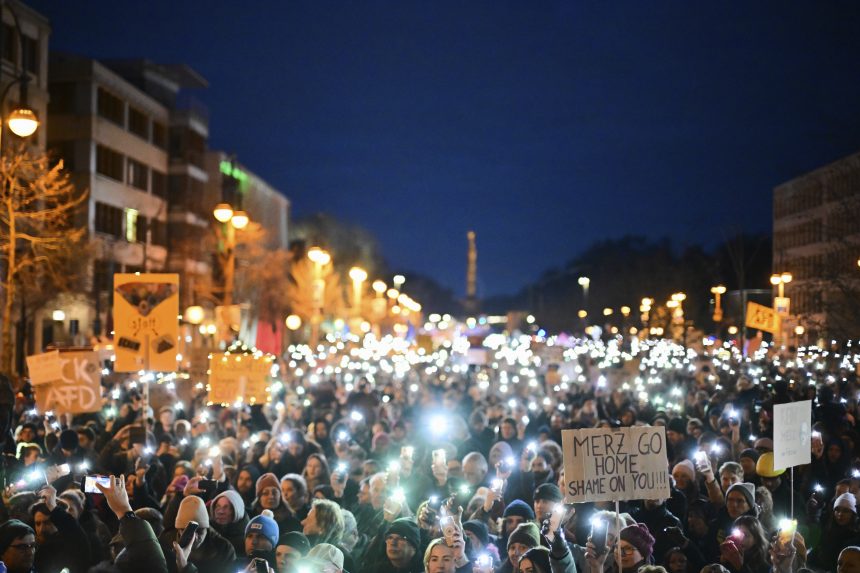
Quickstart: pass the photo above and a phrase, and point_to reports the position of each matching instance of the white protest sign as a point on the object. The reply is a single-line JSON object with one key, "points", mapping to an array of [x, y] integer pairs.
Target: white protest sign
{"points": [[78, 389], [792, 432], [44, 368], [608, 464]]}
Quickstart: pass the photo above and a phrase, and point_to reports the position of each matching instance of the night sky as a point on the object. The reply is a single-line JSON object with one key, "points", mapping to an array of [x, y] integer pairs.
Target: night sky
{"points": [[544, 126]]}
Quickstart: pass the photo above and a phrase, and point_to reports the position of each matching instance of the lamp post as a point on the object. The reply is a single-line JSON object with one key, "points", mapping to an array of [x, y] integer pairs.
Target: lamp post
{"points": [[584, 282], [320, 258], [718, 291], [678, 299], [231, 221], [358, 276], [22, 121], [780, 303]]}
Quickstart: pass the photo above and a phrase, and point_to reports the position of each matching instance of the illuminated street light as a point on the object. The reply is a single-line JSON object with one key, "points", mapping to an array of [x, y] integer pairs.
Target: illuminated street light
{"points": [[240, 220], [398, 281], [23, 122], [231, 221], [294, 322], [358, 276], [223, 212], [319, 258], [194, 315], [379, 287], [718, 291]]}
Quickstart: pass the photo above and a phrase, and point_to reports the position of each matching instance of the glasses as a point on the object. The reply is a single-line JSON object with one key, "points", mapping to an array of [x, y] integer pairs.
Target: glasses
{"points": [[395, 539], [627, 549], [24, 546]]}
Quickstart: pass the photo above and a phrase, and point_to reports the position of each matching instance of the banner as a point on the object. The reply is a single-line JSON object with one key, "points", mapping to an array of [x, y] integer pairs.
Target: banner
{"points": [[146, 311], [44, 368], [792, 433], [78, 389], [606, 464], [239, 377], [762, 318]]}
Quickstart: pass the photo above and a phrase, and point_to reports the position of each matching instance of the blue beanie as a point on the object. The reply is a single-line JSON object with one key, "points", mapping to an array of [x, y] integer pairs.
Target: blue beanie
{"points": [[265, 526], [519, 508]]}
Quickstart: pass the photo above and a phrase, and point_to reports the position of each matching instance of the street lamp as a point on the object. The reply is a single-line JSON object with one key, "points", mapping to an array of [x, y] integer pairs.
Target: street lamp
{"points": [[319, 258], [231, 221], [780, 281], [22, 121], [718, 291], [584, 282]]}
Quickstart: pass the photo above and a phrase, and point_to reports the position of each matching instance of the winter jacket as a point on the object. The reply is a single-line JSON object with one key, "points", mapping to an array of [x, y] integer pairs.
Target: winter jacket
{"points": [[142, 553]]}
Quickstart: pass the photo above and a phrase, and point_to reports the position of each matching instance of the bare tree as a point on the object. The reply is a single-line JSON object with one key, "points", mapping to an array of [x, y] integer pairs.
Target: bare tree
{"points": [[38, 234]]}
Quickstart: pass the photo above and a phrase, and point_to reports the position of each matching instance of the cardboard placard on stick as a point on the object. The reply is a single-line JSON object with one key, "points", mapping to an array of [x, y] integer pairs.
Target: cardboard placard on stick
{"points": [[605, 464], [146, 311], [792, 434], [44, 368], [239, 376], [78, 390]]}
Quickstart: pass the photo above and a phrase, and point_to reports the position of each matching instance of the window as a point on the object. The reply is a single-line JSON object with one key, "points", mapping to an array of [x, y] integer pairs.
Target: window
{"points": [[138, 123], [138, 174], [109, 219], [102, 276], [31, 55], [159, 184], [111, 107], [159, 134], [10, 44], [131, 226], [109, 162], [158, 234], [62, 97]]}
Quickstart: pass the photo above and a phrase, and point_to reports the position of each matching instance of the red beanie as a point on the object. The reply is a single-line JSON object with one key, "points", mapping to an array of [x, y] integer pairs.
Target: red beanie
{"points": [[267, 480]]}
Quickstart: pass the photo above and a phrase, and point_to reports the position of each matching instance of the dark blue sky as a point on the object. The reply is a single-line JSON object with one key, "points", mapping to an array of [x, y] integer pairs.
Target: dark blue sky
{"points": [[542, 125]]}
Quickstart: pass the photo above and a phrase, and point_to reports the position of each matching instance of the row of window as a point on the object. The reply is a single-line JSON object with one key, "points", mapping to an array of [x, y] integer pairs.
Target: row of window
{"points": [[113, 109], [129, 224], [12, 45], [117, 166]]}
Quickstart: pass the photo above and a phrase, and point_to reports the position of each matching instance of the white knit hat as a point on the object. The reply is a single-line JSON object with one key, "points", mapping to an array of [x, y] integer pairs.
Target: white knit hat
{"points": [[192, 508], [327, 553], [846, 500], [235, 500], [686, 467]]}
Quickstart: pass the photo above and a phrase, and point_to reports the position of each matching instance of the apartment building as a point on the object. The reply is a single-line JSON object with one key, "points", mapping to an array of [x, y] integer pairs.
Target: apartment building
{"points": [[816, 226], [114, 139]]}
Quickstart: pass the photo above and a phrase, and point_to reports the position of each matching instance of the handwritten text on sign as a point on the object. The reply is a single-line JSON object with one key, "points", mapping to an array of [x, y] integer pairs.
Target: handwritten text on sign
{"points": [[235, 377], [615, 464], [78, 389], [792, 433]]}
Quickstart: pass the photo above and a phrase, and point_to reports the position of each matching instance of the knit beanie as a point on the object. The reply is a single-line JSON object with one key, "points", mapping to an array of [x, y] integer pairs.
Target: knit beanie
{"points": [[538, 556], [639, 537], [296, 540], [678, 425], [265, 525], [267, 480], [192, 508], [745, 488], [765, 444], [479, 529], [519, 508], [686, 467], [12, 530], [235, 500], [407, 529], [549, 492], [751, 454], [526, 533], [846, 500], [327, 553]]}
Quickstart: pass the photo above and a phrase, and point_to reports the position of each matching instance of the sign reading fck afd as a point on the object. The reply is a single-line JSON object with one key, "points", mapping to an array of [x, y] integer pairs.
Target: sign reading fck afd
{"points": [[615, 464]]}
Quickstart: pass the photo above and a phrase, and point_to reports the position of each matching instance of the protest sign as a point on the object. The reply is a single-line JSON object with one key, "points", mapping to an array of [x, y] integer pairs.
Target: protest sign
{"points": [[236, 376], [77, 390], [146, 311], [792, 432], [606, 464], [762, 317], [44, 368]]}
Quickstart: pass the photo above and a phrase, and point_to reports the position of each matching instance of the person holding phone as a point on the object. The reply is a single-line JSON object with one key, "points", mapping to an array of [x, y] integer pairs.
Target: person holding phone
{"points": [[204, 550]]}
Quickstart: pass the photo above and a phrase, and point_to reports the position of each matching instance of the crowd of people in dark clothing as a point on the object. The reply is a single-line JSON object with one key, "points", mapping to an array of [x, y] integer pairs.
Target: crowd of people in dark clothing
{"points": [[421, 463]]}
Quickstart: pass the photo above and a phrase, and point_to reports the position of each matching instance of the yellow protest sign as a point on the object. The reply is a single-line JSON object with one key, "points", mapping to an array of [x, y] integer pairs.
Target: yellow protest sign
{"points": [[146, 310], [239, 376], [44, 368], [762, 318], [77, 390]]}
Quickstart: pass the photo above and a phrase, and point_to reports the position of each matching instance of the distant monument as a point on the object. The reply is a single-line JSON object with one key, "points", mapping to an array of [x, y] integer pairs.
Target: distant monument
{"points": [[470, 305]]}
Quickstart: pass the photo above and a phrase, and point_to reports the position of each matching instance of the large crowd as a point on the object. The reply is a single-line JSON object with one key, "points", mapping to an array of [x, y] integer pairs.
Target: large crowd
{"points": [[385, 457]]}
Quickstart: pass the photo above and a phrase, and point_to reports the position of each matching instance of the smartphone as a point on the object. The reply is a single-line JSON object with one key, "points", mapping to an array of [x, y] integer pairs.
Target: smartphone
{"points": [[261, 565], [208, 485], [449, 528], [440, 459], [787, 527], [91, 481], [434, 503], [188, 534], [598, 535]]}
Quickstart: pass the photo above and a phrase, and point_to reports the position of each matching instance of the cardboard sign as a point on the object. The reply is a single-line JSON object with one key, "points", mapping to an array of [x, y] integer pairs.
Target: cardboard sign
{"points": [[239, 376], [792, 434], [146, 310], [762, 318], [78, 389], [44, 368], [604, 464]]}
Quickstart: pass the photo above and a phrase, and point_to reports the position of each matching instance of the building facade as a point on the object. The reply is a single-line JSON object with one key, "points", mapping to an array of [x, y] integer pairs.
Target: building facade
{"points": [[816, 227]]}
